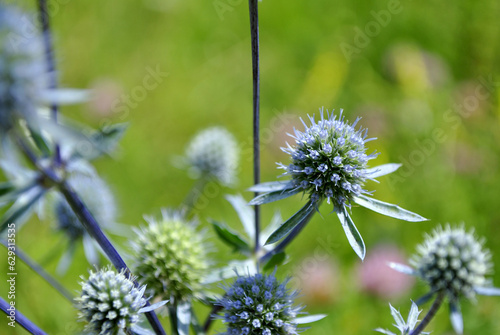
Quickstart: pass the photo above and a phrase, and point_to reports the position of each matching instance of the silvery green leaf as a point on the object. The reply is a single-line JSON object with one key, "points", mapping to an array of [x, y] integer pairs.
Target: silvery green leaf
{"points": [[403, 268], [273, 196], [41, 143], [141, 331], [66, 259], [106, 139], [271, 186], [413, 315], [230, 237], [274, 261], [230, 271], [352, 233], [65, 96], [382, 170], [183, 318], [491, 291], [388, 209], [456, 317], [309, 318], [245, 213], [21, 208], [400, 322], [384, 331], [152, 307], [89, 249], [302, 217]]}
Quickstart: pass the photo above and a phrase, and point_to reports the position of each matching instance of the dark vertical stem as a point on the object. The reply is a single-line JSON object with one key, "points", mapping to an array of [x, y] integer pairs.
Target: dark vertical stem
{"points": [[211, 317], [432, 312], [21, 319], [254, 33], [49, 57], [41, 272]]}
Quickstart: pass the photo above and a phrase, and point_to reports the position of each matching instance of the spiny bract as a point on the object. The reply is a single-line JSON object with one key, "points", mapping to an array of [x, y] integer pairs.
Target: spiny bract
{"points": [[329, 159], [170, 257], [214, 153], [23, 74], [109, 302], [259, 305], [454, 261]]}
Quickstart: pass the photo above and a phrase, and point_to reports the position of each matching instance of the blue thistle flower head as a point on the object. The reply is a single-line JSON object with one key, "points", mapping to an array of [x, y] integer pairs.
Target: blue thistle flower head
{"points": [[109, 302], [329, 158], [259, 304]]}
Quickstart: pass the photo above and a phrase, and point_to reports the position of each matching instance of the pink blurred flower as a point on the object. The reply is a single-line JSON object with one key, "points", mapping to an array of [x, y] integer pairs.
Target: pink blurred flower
{"points": [[376, 277], [317, 279]]}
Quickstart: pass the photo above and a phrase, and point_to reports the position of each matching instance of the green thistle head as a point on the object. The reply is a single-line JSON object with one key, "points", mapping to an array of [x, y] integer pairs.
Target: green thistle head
{"points": [[453, 260], [170, 257], [109, 302]]}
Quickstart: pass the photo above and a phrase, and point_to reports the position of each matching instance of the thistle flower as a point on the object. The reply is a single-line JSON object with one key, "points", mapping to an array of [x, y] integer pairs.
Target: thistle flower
{"points": [[22, 69], [260, 304], [329, 161], [109, 302], [454, 264], [170, 257], [213, 153], [405, 327]]}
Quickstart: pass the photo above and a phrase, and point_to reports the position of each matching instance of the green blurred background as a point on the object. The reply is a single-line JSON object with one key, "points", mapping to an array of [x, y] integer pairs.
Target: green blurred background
{"points": [[425, 79]]}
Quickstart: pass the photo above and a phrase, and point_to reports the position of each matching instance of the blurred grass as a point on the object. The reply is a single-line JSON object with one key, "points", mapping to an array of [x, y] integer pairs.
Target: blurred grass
{"points": [[405, 83]]}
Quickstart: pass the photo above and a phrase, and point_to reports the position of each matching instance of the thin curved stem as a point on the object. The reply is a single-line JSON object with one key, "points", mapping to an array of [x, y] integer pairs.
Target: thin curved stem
{"points": [[432, 312], [20, 319], [254, 34], [210, 318], [41, 272]]}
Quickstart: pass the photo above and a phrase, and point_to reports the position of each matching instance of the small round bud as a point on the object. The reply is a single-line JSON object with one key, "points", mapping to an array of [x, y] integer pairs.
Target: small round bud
{"points": [[170, 257], [109, 302]]}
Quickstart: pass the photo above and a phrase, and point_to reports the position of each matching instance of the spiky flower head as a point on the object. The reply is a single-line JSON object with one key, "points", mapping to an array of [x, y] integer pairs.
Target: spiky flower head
{"points": [[109, 302], [404, 327], [214, 153], [329, 159], [259, 305], [454, 261], [170, 256], [95, 194], [23, 75]]}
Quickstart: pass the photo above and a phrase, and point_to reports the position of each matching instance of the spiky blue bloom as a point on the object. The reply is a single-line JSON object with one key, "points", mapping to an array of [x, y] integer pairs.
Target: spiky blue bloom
{"points": [[454, 263], [329, 161], [109, 302], [404, 327], [213, 153], [259, 305]]}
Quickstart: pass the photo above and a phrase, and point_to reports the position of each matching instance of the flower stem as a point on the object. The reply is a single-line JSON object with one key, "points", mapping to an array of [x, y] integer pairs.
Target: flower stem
{"points": [[432, 312], [21, 319], [49, 57], [254, 34], [41, 272], [210, 318]]}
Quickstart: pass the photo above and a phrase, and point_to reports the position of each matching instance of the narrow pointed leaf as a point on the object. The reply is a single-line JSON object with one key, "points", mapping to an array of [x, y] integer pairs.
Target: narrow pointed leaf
{"points": [[183, 318], [106, 139], [492, 291], [273, 225], [309, 318], [388, 209], [384, 331], [301, 217], [352, 233], [382, 170], [153, 306], [400, 322], [230, 237], [19, 210], [40, 142], [456, 317], [271, 186], [230, 271], [138, 330], [245, 213], [275, 260], [402, 268], [273, 196], [6, 187], [65, 96], [425, 298], [413, 315]]}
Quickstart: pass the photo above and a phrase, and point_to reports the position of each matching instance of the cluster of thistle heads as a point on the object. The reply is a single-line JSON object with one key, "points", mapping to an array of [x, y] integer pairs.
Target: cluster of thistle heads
{"points": [[329, 161]]}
